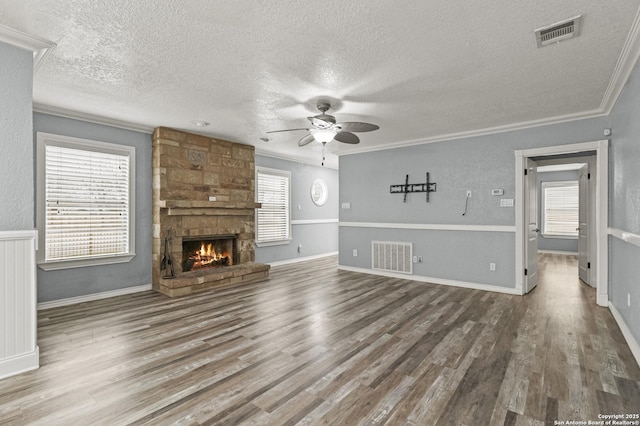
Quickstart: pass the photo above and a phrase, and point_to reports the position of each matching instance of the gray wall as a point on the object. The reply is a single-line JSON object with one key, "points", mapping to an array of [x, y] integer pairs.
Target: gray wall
{"points": [[477, 164], [551, 243], [62, 284], [316, 239], [16, 158], [624, 202]]}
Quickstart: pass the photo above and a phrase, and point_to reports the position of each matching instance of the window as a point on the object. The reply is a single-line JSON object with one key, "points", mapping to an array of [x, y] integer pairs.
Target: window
{"points": [[560, 209], [85, 202], [273, 218]]}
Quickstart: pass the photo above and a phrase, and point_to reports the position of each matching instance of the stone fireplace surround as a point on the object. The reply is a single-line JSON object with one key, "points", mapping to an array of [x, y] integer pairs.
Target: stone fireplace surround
{"points": [[187, 170]]}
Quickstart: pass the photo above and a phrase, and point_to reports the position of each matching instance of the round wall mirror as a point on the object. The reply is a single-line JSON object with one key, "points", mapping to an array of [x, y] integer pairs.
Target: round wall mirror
{"points": [[319, 192]]}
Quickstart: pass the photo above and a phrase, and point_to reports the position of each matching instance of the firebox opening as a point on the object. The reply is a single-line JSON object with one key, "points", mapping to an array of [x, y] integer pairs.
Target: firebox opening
{"points": [[208, 252]]}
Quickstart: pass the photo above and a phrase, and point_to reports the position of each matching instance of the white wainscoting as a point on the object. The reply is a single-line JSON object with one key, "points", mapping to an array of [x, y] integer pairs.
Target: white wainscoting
{"points": [[18, 316]]}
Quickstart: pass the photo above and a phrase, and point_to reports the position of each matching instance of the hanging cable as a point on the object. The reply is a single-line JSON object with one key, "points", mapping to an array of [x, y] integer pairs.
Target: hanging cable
{"points": [[466, 203]]}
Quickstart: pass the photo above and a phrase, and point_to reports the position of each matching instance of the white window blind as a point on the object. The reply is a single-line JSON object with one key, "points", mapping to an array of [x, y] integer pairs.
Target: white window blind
{"points": [[86, 203], [272, 219], [560, 212]]}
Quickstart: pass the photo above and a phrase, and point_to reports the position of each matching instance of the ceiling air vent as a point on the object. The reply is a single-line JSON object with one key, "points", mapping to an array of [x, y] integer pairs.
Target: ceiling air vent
{"points": [[560, 31]]}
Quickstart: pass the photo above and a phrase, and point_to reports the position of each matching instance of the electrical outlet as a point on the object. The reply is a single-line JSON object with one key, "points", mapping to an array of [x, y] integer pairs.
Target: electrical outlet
{"points": [[299, 248], [415, 259], [629, 299], [492, 266], [355, 252], [346, 206], [212, 198], [468, 193]]}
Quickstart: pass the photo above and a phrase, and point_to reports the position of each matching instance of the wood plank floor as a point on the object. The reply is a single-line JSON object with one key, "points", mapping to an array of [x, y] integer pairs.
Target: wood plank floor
{"points": [[314, 345]]}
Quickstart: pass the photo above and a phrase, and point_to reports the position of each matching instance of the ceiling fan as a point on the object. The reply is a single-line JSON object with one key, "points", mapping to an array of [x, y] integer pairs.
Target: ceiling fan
{"points": [[324, 129]]}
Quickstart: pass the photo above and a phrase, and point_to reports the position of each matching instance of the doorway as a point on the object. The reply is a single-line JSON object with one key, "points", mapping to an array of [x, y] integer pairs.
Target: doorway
{"points": [[596, 154], [566, 213]]}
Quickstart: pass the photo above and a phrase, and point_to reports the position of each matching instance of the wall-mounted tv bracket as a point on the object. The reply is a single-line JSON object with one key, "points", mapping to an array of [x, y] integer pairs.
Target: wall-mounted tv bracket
{"points": [[413, 187]]}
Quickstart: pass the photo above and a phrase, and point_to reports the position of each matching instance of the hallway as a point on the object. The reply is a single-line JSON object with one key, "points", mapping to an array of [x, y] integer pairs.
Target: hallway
{"points": [[579, 370]]}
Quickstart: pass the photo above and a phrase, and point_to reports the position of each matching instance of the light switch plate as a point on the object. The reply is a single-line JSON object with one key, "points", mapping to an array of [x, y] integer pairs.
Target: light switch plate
{"points": [[506, 202], [497, 191]]}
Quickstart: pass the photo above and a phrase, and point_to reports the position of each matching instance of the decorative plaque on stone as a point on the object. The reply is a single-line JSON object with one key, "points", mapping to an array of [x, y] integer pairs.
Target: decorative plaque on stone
{"points": [[197, 157]]}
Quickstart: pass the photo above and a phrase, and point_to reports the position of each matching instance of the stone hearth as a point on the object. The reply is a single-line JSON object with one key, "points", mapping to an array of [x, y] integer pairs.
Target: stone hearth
{"points": [[187, 170]]}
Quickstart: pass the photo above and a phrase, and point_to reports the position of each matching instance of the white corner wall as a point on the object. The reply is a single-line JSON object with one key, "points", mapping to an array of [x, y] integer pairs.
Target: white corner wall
{"points": [[18, 316]]}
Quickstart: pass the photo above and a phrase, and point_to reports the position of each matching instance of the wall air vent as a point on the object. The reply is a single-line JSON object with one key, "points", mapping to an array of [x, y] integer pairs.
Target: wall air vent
{"points": [[392, 256], [560, 31]]}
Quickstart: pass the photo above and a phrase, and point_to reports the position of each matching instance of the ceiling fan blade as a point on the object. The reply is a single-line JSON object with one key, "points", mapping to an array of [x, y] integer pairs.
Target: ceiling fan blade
{"points": [[285, 130], [356, 126], [347, 137], [318, 123], [306, 140]]}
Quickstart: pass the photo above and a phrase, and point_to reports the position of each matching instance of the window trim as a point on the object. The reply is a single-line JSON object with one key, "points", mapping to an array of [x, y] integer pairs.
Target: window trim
{"points": [[282, 173], [44, 139], [543, 186]]}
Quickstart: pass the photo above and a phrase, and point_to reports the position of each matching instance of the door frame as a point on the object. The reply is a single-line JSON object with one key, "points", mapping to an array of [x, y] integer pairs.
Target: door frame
{"points": [[601, 147]]}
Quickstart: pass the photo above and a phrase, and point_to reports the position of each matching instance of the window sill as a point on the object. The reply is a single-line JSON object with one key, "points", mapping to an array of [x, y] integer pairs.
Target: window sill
{"points": [[560, 237], [273, 243], [81, 263]]}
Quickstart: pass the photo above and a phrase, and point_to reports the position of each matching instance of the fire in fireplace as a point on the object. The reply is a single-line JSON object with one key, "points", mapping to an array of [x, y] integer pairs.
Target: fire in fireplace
{"points": [[208, 252]]}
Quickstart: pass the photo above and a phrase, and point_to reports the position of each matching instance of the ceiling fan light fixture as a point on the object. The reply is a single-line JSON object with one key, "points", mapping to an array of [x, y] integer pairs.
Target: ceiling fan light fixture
{"points": [[324, 135]]}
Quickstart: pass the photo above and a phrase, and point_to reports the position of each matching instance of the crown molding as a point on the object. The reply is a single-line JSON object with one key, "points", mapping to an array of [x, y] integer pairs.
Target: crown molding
{"points": [[83, 116], [329, 163], [39, 46], [626, 61], [483, 132]]}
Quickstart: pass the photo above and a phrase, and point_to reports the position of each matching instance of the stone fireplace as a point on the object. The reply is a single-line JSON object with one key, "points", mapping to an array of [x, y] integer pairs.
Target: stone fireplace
{"points": [[203, 213]]}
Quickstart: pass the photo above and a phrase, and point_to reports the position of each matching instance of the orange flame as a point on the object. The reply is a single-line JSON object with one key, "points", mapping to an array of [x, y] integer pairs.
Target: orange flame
{"points": [[209, 253], [207, 256]]}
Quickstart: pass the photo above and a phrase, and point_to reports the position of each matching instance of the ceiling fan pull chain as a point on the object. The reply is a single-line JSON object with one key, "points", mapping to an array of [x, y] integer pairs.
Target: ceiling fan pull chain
{"points": [[324, 144]]}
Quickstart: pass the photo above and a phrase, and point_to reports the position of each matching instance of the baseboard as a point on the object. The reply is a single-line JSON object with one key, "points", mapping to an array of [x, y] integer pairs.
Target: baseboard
{"points": [[92, 297], [303, 259], [20, 364], [430, 280], [567, 253], [628, 336]]}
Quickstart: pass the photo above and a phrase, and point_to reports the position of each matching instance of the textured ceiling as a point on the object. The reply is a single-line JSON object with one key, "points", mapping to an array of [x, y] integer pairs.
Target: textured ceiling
{"points": [[420, 70]]}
